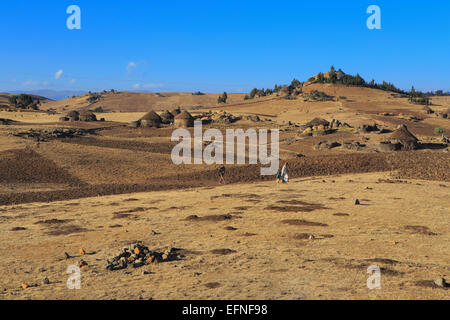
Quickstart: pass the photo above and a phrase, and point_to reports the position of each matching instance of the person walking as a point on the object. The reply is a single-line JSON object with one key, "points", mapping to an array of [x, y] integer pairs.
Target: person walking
{"points": [[284, 173], [221, 172], [278, 175]]}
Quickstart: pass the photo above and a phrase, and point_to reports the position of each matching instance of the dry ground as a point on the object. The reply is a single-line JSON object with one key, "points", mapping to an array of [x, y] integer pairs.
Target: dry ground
{"points": [[114, 186], [401, 227]]}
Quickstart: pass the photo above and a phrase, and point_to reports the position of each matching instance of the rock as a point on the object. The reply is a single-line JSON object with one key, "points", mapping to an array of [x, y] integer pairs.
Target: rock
{"points": [[440, 282], [45, 281], [67, 256], [388, 146], [82, 263], [356, 201]]}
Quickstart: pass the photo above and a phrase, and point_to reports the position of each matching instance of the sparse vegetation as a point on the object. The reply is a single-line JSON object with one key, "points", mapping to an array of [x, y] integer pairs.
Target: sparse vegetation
{"points": [[318, 96], [223, 98], [93, 97]]}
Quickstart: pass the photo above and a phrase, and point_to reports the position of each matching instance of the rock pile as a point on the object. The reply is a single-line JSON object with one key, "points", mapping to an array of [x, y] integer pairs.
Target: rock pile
{"points": [[52, 133], [319, 126], [366, 128], [5, 122], [138, 255], [326, 145]]}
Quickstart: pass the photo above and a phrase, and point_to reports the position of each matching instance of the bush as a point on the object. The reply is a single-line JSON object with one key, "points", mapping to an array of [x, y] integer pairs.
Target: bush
{"points": [[438, 131], [318, 96], [223, 98], [25, 99]]}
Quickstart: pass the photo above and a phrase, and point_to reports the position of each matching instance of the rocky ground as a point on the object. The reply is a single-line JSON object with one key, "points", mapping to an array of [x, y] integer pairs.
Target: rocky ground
{"points": [[303, 240]]}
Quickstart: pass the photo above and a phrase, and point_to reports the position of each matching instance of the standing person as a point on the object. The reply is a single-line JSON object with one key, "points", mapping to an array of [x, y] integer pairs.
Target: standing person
{"points": [[221, 172], [278, 175], [284, 173]]}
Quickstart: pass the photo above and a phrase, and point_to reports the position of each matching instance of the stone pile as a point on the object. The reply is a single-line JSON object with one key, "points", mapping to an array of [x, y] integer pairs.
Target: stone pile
{"points": [[138, 255], [57, 133]]}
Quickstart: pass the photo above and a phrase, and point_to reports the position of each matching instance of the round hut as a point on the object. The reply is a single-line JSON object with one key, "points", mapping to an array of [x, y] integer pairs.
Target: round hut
{"points": [[176, 111], [73, 115], [87, 116], [167, 117], [428, 110], [317, 122], [151, 119], [184, 119], [403, 136]]}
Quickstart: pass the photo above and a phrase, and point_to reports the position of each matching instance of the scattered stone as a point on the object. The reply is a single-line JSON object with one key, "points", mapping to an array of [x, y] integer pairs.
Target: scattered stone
{"points": [[45, 281], [55, 133], [67, 256], [326, 145], [82, 263], [388, 146], [441, 282], [356, 201], [353, 145], [139, 255]]}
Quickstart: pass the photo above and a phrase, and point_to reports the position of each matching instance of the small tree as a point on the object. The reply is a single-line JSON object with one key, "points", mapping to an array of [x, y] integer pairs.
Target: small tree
{"points": [[12, 100], [332, 75], [25, 99], [223, 98], [253, 93], [295, 83]]}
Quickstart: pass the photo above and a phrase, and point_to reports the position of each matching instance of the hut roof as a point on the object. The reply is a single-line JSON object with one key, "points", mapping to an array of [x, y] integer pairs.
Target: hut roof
{"points": [[86, 113], [151, 115], [175, 111], [184, 115], [403, 134], [167, 115], [317, 122], [73, 113]]}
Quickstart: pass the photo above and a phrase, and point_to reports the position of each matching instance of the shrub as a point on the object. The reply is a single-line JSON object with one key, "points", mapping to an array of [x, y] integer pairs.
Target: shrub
{"points": [[223, 98], [438, 131], [25, 99]]}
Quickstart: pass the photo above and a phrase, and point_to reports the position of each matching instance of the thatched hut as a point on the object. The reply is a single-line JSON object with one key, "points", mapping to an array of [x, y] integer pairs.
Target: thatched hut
{"points": [[73, 115], [317, 122], [87, 116], [167, 117], [184, 119], [403, 136], [428, 110], [151, 119], [175, 111]]}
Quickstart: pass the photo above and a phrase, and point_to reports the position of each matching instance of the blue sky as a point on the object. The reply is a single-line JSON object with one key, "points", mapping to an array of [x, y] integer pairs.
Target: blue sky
{"points": [[216, 46]]}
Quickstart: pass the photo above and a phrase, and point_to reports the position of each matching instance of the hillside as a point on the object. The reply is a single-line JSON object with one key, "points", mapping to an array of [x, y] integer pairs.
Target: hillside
{"points": [[5, 96], [125, 101]]}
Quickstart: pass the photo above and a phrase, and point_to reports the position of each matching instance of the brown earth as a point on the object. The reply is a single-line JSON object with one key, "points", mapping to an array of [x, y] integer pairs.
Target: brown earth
{"points": [[252, 238]]}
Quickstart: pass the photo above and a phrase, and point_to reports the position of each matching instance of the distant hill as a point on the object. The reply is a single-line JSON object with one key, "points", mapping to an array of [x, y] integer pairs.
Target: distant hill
{"points": [[52, 94], [5, 96], [125, 101]]}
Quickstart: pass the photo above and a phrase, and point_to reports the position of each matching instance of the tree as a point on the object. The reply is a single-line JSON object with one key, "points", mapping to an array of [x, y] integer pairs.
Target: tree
{"points": [[332, 75], [223, 98], [320, 78], [295, 83], [25, 99], [253, 93], [12, 100]]}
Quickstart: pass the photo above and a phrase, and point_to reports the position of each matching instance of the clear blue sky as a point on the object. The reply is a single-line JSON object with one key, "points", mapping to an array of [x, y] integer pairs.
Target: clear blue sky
{"points": [[216, 46]]}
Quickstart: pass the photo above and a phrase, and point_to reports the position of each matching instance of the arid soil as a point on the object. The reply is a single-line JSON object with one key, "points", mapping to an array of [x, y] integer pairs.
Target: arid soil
{"points": [[114, 186], [301, 240]]}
